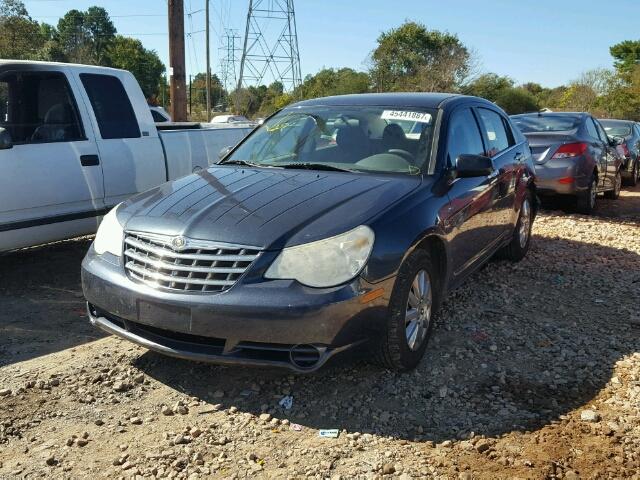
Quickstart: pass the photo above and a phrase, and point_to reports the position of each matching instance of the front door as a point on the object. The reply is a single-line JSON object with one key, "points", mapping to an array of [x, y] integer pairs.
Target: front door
{"points": [[471, 216], [51, 173]]}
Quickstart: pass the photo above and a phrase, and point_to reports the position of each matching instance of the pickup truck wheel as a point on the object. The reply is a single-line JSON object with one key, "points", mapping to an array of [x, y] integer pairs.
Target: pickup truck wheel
{"points": [[517, 249], [587, 199], [617, 183], [414, 302]]}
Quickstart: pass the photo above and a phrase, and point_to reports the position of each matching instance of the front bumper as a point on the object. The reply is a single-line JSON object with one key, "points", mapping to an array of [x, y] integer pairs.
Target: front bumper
{"points": [[268, 323], [550, 175]]}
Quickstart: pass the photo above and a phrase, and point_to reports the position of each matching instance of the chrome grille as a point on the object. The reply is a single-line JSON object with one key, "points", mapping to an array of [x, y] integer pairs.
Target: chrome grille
{"points": [[197, 266]]}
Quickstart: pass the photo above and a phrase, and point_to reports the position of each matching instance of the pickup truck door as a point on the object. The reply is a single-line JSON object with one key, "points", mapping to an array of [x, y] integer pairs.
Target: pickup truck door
{"points": [[51, 182], [131, 153], [471, 221]]}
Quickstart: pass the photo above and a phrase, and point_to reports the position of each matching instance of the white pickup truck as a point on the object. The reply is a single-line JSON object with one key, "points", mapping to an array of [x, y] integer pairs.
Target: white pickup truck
{"points": [[75, 140]]}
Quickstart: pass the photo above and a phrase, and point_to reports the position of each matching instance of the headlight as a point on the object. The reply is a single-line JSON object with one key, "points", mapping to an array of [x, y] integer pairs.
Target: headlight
{"points": [[110, 235], [327, 262]]}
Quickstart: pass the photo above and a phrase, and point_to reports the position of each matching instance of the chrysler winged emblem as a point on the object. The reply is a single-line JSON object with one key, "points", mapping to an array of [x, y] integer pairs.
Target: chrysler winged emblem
{"points": [[178, 242]]}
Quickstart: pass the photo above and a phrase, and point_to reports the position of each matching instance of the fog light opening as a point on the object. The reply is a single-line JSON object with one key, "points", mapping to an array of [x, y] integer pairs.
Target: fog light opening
{"points": [[305, 357]]}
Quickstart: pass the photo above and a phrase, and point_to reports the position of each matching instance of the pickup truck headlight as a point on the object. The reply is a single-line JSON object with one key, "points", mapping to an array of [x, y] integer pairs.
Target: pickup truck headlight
{"points": [[110, 235], [327, 262]]}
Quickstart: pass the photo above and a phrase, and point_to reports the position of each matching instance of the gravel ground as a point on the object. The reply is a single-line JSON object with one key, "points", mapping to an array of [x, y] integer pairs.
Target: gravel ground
{"points": [[533, 372]]}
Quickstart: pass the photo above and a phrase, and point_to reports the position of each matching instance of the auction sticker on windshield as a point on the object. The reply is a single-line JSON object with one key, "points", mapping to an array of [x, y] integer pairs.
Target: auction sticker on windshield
{"points": [[422, 117]]}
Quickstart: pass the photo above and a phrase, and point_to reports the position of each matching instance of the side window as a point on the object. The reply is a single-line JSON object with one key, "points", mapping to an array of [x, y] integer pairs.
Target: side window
{"points": [[463, 136], [157, 117], [113, 110], [497, 133], [591, 129], [38, 107]]}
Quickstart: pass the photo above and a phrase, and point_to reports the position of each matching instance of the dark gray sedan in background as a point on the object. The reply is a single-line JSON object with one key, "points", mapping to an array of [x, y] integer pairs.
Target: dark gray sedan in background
{"points": [[326, 228], [629, 132], [573, 156]]}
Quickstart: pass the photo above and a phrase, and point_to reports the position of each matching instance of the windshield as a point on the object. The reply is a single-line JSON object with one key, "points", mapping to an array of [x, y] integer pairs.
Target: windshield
{"points": [[616, 129], [545, 123], [351, 138]]}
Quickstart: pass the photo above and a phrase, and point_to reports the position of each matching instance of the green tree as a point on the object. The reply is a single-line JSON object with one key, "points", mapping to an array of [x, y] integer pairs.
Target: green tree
{"points": [[329, 81], [626, 55], [85, 37], [489, 86], [129, 54], [413, 58], [514, 100], [20, 36]]}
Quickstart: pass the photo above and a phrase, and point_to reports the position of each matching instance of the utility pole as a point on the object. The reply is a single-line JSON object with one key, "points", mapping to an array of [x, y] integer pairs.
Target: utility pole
{"points": [[177, 73], [208, 119]]}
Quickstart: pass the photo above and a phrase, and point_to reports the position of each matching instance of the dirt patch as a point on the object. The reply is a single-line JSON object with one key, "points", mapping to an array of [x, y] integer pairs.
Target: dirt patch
{"points": [[533, 372]]}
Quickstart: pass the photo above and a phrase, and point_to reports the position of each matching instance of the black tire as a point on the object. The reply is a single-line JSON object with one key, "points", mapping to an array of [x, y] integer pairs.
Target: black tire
{"points": [[635, 174], [517, 249], [392, 348], [587, 199], [615, 193]]}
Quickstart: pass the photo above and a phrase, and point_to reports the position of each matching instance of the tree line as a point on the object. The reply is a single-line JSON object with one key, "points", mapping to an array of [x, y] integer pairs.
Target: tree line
{"points": [[410, 57]]}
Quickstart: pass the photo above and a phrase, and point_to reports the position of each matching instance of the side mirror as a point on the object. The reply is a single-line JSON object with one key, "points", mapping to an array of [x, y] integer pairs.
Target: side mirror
{"points": [[5, 139], [224, 152], [473, 166]]}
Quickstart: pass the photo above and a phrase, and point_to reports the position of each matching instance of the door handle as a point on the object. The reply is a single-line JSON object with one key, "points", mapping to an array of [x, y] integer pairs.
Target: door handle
{"points": [[519, 158], [89, 160]]}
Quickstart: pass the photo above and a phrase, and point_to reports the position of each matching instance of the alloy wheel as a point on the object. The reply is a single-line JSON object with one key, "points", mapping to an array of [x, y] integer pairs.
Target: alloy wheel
{"points": [[593, 193], [618, 185], [418, 312]]}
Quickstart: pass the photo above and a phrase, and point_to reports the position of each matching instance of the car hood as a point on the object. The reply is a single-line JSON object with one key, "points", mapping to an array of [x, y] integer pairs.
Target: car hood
{"points": [[264, 207]]}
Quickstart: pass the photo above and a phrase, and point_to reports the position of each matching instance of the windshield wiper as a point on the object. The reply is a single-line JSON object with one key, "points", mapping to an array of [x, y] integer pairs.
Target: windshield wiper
{"points": [[315, 166], [241, 162]]}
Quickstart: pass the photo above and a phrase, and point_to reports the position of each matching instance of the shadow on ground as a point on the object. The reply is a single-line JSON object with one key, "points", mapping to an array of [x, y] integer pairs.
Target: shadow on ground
{"points": [[41, 304], [514, 348]]}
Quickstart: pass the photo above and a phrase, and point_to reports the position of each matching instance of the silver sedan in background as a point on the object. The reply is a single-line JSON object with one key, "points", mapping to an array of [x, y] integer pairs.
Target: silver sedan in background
{"points": [[573, 156]]}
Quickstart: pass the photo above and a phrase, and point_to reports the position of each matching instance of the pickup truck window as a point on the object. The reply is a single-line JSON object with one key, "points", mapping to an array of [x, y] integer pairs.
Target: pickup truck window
{"points": [[38, 107], [113, 110]]}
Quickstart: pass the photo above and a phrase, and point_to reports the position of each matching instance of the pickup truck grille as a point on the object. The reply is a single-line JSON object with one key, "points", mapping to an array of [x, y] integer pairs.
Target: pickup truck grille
{"points": [[192, 266]]}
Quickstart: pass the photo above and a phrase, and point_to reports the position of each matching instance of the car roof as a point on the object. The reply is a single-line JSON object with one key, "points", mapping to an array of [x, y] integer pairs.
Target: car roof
{"points": [[425, 100], [552, 114], [618, 121]]}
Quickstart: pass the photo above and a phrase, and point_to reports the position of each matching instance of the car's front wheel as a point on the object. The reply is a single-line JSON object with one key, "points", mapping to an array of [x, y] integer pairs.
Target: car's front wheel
{"points": [[412, 307]]}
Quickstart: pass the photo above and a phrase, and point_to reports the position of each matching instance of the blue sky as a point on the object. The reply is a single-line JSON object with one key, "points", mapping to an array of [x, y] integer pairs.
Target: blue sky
{"points": [[547, 41]]}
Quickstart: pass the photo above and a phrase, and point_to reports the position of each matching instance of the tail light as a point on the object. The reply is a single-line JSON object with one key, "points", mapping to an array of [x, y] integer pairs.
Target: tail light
{"points": [[570, 150], [625, 150]]}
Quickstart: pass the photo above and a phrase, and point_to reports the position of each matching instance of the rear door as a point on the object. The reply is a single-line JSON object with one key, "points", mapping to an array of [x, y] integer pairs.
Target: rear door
{"points": [[130, 150], [471, 217], [50, 176]]}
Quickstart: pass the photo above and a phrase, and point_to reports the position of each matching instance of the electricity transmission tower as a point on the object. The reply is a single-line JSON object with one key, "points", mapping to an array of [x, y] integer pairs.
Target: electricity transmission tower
{"points": [[270, 50], [229, 59]]}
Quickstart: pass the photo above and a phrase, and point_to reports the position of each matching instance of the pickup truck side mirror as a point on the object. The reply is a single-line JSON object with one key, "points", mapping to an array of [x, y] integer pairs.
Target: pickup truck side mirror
{"points": [[5, 139], [468, 166], [224, 152]]}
